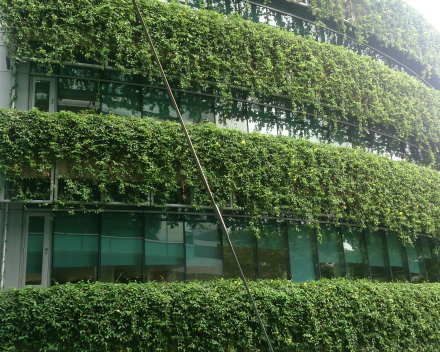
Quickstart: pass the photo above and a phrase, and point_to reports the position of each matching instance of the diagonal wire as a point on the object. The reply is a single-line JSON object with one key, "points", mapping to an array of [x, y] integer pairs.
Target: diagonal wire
{"points": [[202, 174]]}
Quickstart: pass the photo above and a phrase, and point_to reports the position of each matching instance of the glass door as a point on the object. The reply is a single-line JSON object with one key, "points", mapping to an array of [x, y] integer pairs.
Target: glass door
{"points": [[43, 94], [36, 250]]}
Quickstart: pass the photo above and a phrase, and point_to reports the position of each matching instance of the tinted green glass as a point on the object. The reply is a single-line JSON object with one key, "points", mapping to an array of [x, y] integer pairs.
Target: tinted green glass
{"points": [[303, 252], [203, 248], [35, 246], [378, 256], [398, 259], [121, 247], [273, 256], [121, 99], [431, 259], [316, 129], [164, 248], [415, 262], [236, 118], [330, 251], [196, 108], [340, 135], [290, 124], [355, 253], [262, 119], [42, 94], [244, 244], [157, 103], [379, 143], [75, 247], [77, 94]]}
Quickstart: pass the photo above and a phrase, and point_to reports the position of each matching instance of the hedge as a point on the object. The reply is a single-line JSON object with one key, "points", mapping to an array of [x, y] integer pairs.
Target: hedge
{"points": [[336, 315], [276, 175]]}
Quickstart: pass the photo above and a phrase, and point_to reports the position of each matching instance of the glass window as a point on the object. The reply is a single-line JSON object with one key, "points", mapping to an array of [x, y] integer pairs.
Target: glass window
{"points": [[398, 259], [316, 129], [243, 241], [378, 256], [340, 135], [273, 258], [236, 118], [157, 103], [203, 248], [121, 247], [303, 254], [397, 149], [196, 108], [121, 99], [330, 250], [75, 247], [262, 119], [164, 251], [77, 94], [355, 250], [290, 124], [431, 258], [415, 262], [42, 94], [360, 138], [34, 258], [379, 143]]}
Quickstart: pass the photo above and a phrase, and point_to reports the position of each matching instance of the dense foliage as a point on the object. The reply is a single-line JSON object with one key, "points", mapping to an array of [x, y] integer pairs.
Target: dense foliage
{"points": [[392, 22], [198, 46], [335, 315], [101, 157]]}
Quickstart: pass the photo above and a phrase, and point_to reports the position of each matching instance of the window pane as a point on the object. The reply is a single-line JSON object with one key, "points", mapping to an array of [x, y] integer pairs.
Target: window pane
{"points": [[203, 248], [378, 256], [121, 99], [398, 260], [157, 103], [236, 118], [340, 135], [121, 247], [415, 262], [196, 108], [316, 129], [243, 242], [42, 93], [355, 253], [290, 124], [272, 251], [75, 253], [262, 119], [164, 252], [34, 258], [303, 255], [379, 143], [331, 257], [77, 94], [430, 258]]}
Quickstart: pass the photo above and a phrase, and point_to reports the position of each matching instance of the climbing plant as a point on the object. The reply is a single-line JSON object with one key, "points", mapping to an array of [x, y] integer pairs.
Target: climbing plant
{"points": [[103, 158], [206, 50]]}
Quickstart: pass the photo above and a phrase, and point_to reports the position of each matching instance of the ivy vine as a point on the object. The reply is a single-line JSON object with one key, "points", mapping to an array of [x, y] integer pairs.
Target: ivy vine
{"points": [[201, 48], [271, 175]]}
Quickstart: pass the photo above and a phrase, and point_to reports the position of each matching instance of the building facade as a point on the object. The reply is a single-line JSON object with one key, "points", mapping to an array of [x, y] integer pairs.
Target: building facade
{"points": [[123, 243]]}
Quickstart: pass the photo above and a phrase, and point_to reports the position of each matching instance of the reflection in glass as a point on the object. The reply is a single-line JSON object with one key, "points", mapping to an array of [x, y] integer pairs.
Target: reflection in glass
{"points": [[121, 99], [203, 248], [35, 246], [290, 124], [243, 241], [42, 93], [397, 149], [316, 129], [330, 250], [121, 247], [379, 143], [303, 253], [262, 119], [235, 118], [196, 108], [164, 251], [378, 256], [431, 258], [415, 262], [77, 94], [75, 247], [355, 253], [398, 259], [156, 103], [340, 135], [272, 253]]}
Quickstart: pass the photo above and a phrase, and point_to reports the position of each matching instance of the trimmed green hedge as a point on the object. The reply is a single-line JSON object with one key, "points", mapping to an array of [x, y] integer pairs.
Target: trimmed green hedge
{"points": [[129, 157], [337, 315], [199, 45]]}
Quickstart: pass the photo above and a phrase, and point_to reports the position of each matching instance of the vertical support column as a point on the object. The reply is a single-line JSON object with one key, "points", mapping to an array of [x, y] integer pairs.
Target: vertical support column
{"points": [[5, 72]]}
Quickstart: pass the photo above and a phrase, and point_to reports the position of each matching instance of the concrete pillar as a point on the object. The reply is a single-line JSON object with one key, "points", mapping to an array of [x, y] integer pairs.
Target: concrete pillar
{"points": [[5, 74]]}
